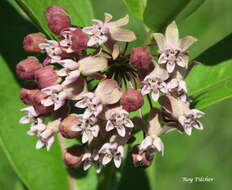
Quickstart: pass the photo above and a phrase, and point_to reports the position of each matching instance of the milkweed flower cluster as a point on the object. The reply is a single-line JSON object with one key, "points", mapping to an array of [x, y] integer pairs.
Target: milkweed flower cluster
{"points": [[91, 88]]}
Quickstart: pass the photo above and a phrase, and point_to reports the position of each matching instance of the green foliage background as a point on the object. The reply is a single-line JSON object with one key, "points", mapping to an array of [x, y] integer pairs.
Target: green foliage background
{"points": [[205, 153]]}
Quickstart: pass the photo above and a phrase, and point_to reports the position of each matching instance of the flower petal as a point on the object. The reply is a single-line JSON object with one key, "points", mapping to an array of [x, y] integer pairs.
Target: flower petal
{"points": [[122, 35], [172, 36], [160, 40], [186, 42]]}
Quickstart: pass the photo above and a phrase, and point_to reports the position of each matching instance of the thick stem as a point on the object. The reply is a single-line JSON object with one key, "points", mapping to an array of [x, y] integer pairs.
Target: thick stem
{"points": [[71, 180]]}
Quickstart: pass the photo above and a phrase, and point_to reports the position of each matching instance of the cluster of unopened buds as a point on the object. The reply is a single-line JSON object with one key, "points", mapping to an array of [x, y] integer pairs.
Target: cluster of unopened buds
{"points": [[90, 88]]}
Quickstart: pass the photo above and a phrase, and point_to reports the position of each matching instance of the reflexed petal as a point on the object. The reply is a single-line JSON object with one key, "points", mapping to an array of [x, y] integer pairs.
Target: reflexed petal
{"points": [[182, 85], [172, 84], [109, 126], [25, 120], [117, 162], [88, 30], [108, 17], [50, 142], [181, 62], [95, 130], [128, 123], [62, 72], [86, 155], [170, 67], [76, 128], [116, 51], [172, 35], [181, 119], [160, 40], [146, 143], [198, 126], [46, 133], [123, 35], [155, 95], [145, 90], [85, 137], [121, 131], [86, 165], [162, 59], [69, 63], [92, 64], [92, 41], [47, 102], [121, 150], [118, 23], [72, 77], [186, 42], [106, 159], [157, 142], [81, 104], [188, 130], [39, 144]]}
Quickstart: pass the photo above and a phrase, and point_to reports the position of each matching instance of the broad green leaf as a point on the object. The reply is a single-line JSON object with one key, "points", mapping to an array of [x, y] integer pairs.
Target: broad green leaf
{"points": [[159, 13], [80, 11], [206, 25], [36, 169], [136, 7], [210, 82]]}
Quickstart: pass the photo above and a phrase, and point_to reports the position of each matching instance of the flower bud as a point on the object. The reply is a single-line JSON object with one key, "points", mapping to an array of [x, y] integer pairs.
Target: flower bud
{"points": [[140, 160], [26, 95], [26, 68], [67, 124], [57, 18], [73, 156], [46, 77], [79, 40], [131, 100], [36, 102], [141, 58], [31, 42]]}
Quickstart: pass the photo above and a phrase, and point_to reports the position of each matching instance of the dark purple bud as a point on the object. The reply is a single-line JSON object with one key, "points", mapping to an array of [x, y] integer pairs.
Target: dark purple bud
{"points": [[79, 40], [26, 95], [55, 9], [26, 68], [36, 102], [31, 42], [58, 22], [73, 156], [132, 100], [46, 76], [66, 125], [141, 58], [140, 160]]}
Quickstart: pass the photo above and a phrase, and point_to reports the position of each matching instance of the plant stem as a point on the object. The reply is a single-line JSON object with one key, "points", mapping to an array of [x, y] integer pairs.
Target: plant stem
{"points": [[71, 180]]}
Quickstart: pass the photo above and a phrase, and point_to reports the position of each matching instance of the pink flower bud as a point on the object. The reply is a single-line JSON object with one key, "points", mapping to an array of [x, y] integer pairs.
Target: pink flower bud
{"points": [[46, 76], [66, 127], [73, 156], [26, 68], [131, 100], [36, 102], [57, 18], [26, 95], [141, 58], [79, 40], [140, 159], [31, 42]]}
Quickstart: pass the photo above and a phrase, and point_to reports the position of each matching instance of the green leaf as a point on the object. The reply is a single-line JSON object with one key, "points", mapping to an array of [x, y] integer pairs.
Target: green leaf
{"points": [[159, 13], [80, 11], [136, 7], [210, 82], [206, 25]]}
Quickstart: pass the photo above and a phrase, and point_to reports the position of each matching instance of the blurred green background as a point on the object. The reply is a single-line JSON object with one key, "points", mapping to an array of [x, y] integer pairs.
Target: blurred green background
{"points": [[206, 153]]}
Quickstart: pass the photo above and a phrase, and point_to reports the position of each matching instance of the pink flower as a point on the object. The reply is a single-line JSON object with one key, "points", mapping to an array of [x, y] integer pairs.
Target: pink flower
{"points": [[52, 48], [118, 118], [92, 104], [177, 88], [90, 158], [189, 120], [87, 126], [56, 96], [173, 50], [30, 116], [111, 151], [154, 83], [37, 127], [100, 31], [66, 39]]}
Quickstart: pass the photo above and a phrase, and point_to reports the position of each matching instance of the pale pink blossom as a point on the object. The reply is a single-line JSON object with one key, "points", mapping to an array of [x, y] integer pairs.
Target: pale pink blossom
{"points": [[178, 89], [66, 39], [88, 127], [92, 104], [30, 116], [37, 127], [101, 31], [189, 120], [154, 83], [53, 50], [56, 96], [111, 151], [89, 158], [172, 49], [118, 118]]}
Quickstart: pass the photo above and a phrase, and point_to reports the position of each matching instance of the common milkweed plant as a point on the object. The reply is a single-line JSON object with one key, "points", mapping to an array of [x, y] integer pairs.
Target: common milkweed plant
{"points": [[87, 86]]}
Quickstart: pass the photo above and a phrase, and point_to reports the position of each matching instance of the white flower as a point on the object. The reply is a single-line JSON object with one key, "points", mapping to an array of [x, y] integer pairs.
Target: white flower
{"points": [[52, 48], [56, 96], [111, 151], [30, 116], [173, 50], [91, 103], [118, 118], [177, 88], [154, 83], [87, 126], [101, 31], [189, 120]]}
